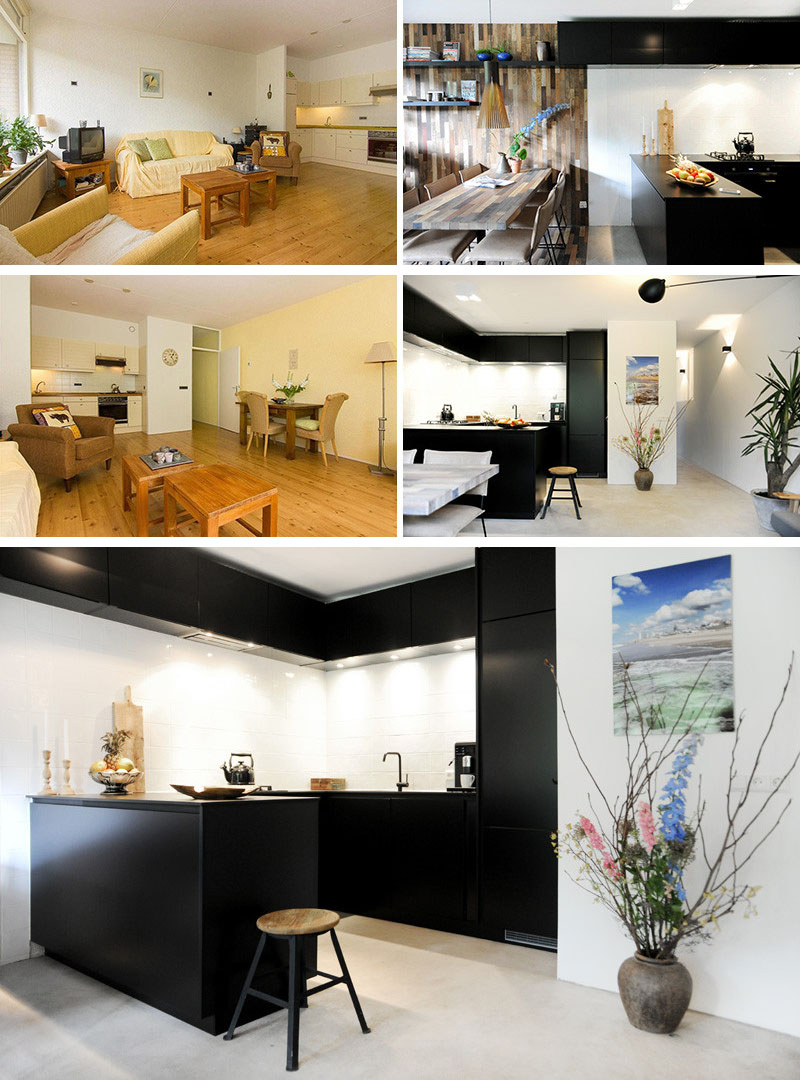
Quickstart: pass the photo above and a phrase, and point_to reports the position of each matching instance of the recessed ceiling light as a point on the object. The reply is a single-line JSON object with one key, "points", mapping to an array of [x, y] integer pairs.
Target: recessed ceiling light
{"points": [[314, 32], [89, 280], [209, 654], [126, 290]]}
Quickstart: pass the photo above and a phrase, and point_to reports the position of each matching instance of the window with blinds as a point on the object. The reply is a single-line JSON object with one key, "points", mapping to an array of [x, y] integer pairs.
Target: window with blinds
{"points": [[9, 81]]}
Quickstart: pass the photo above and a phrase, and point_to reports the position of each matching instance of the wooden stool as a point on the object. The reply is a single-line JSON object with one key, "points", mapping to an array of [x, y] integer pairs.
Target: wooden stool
{"points": [[569, 472], [291, 924], [215, 495], [792, 499]]}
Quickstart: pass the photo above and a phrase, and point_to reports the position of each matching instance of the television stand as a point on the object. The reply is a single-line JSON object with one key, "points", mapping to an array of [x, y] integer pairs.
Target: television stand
{"points": [[73, 176]]}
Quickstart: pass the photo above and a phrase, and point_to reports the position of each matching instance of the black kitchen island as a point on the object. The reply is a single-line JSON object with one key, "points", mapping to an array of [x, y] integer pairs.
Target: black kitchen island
{"points": [[157, 895], [679, 224], [523, 454]]}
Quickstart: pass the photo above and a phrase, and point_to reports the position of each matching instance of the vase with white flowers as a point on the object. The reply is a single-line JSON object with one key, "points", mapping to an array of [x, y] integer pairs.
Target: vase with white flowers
{"points": [[289, 388]]}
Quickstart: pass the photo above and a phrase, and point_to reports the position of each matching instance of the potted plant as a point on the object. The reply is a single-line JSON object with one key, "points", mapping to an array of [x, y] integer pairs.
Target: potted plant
{"points": [[776, 431], [516, 152], [24, 139], [5, 155], [498, 52], [289, 388], [646, 440], [633, 853]]}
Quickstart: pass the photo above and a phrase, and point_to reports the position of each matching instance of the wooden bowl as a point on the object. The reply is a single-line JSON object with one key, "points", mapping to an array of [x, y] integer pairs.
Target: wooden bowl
{"points": [[692, 183], [512, 427], [209, 792]]}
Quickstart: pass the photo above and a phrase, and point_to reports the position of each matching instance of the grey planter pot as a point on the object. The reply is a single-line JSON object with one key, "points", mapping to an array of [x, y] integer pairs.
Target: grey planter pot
{"points": [[765, 508], [655, 993], [19, 157], [643, 478]]}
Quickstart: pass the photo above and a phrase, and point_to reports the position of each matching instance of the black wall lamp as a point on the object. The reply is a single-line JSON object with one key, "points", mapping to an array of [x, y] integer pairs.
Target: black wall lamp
{"points": [[652, 291], [727, 348]]}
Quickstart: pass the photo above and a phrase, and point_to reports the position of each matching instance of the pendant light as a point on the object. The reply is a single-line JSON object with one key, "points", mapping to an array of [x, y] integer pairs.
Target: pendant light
{"points": [[652, 291], [492, 113]]}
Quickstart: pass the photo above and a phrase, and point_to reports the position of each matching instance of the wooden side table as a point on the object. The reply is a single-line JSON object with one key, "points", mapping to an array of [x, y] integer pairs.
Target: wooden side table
{"points": [[216, 185], [139, 480], [215, 495], [72, 173]]}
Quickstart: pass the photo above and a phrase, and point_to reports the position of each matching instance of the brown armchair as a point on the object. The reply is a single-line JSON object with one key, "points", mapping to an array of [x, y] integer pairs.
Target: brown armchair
{"points": [[56, 451], [283, 166]]}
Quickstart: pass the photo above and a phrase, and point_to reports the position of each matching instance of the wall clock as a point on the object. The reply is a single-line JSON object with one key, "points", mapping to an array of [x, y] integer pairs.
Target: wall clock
{"points": [[170, 357]]}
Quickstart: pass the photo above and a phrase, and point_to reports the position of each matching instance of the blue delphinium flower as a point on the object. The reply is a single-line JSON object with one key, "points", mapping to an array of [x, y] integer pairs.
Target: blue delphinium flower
{"points": [[672, 809]]}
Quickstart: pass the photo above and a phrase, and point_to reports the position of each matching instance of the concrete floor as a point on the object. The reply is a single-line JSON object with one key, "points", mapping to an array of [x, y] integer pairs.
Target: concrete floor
{"points": [[700, 504], [613, 245], [439, 1006]]}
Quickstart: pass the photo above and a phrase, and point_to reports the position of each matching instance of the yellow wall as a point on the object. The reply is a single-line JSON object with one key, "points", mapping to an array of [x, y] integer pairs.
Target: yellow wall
{"points": [[205, 377], [333, 334]]}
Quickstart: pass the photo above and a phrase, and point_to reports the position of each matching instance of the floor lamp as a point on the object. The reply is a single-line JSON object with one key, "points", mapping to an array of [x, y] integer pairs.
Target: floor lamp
{"points": [[382, 352]]}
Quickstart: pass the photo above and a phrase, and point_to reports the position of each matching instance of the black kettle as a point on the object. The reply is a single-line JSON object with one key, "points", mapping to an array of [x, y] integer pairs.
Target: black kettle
{"points": [[447, 416], [237, 772], [744, 143]]}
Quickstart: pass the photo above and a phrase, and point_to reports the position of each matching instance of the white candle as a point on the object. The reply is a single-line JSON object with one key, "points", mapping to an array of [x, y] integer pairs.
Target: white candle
{"points": [[65, 748], [643, 127], [652, 129], [46, 732]]}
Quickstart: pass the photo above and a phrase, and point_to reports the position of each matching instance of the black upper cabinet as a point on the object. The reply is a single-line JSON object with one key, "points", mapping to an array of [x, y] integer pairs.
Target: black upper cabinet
{"points": [[521, 349], [511, 348], [157, 584], [546, 349], [707, 41], [581, 43], [409, 309], [440, 327], [370, 623], [74, 578], [426, 321], [296, 622], [487, 348], [232, 603], [516, 581], [587, 344], [444, 608], [637, 42]]}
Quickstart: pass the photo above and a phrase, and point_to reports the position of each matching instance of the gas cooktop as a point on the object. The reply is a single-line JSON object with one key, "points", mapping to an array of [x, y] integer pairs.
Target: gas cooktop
{"points": [[723, 155]]}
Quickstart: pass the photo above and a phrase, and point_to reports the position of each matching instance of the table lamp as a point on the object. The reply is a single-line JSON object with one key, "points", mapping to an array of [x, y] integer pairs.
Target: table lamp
{"points": [[40, 121], [382, 352], [236, 131]]}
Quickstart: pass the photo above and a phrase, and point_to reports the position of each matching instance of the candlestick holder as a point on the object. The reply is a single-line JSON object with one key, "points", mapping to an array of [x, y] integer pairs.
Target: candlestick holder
{"points": [[66, 787], [48, 788], [644, 146], [653, 146]]}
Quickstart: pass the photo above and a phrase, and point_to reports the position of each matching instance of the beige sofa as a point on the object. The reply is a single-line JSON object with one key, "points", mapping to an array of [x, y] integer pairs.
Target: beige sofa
{"points": [[176, 243], [20, 497], [194, 152]]}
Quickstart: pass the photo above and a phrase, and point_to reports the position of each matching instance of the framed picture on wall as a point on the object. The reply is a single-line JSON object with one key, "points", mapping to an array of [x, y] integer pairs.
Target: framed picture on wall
{"points": [[672, 633], [151, 83], [641, 380]]}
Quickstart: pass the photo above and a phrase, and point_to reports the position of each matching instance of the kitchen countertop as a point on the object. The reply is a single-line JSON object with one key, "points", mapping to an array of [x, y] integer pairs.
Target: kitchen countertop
{"points": [[790, 159], [343, 127], [655, 170], [476, 427], [157, 800], [88, 393]]}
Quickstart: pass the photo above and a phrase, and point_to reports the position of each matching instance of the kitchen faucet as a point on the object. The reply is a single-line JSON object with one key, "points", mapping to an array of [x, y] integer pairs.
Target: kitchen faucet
{"points": [[41, 382], [393, 753], [328, 122], [516, 414]]}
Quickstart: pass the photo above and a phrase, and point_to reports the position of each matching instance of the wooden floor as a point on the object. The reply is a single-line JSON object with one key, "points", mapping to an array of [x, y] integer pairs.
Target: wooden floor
{"points": [[343, 500], [333, 216]]}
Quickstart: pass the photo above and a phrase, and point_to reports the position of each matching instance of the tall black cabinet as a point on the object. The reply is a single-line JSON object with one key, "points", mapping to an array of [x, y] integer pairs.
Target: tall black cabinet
{"points": [[587, 405]]}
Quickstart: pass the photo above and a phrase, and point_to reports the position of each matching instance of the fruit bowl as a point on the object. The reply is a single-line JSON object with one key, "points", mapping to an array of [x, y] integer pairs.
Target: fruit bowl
{"points": [[693, 172], [512, 423], [199, 791], [115, 782]]}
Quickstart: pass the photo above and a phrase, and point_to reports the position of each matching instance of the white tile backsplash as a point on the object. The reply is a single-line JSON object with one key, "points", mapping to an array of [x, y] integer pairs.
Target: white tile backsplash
{"points": [[61, 671]]}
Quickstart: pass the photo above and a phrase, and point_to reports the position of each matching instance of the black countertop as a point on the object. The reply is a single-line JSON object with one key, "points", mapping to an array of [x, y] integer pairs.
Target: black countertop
{"points": [[494, 428], [166, 800], [655, 170], [782, 159]]}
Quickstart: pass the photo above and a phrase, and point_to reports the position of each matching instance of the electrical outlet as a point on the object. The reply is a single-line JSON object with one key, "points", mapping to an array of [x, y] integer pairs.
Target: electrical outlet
{"points": [[761, 784], [583, 204], [293, 359]]}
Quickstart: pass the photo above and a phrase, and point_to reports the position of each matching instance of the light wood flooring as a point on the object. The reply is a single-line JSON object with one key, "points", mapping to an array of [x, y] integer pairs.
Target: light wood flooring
{"points": [[343, 500], [333, 216]]}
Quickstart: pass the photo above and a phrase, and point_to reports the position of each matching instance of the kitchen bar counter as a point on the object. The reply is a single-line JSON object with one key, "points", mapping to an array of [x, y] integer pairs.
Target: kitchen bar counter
{"points": [[678, 224], [87, 393]]}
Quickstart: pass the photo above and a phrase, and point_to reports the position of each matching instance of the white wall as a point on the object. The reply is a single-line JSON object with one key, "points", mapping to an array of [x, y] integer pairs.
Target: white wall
{"points": [[430, 380], [641, 339], [15, 346], [168, 408], [105, 63], [710, 107], [726, 386], [420, 708], [748, 972], [51, 322], [271, 73]]}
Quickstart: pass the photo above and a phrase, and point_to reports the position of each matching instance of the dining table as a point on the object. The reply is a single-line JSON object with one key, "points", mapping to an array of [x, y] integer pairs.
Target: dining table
{"points": [[427, 488], [471, 207], [290, 411]]}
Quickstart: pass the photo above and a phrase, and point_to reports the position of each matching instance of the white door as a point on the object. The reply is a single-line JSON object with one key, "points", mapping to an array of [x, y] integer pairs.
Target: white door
{"points": [[227, 406]]}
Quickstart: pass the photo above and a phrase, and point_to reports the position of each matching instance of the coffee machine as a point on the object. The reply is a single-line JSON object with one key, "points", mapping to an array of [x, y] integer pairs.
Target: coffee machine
{"points": [[557, 412], [466, 767]]}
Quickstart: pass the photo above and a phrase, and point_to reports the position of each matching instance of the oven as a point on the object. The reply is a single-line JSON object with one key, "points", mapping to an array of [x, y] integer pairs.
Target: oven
{"points": [[382, 146], [115, 406]]}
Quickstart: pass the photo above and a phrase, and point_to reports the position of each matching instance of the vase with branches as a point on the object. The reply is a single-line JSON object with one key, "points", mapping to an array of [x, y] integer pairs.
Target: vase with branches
{"points": [[647, 439], [632, 851], [776, 424]]}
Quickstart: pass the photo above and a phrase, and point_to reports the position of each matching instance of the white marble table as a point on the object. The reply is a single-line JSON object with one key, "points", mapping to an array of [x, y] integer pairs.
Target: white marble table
{"points": [[429, 487]]}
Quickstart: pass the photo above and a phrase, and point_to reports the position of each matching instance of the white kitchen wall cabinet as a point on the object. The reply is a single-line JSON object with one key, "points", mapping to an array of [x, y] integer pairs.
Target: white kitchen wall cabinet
{"points": [[45, 352], [330, 92], [131, 360], [384, 78], [355, 90], [77, 355], [307, 94]]}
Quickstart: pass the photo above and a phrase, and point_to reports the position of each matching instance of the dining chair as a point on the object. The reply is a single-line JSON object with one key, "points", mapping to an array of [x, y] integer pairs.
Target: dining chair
{"points": [[470, 172], [410, 200], [324, 429], [517, 246], [260, 423], [408, 457], [438, 187], [452, 519], [559, 217]]}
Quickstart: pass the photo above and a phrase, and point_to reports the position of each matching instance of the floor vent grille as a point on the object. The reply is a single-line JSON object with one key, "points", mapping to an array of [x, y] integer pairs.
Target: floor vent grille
{"points": [[536, 941]]}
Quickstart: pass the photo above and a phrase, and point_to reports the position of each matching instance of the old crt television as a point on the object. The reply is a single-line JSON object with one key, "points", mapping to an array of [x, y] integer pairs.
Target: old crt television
{"points": [[82, 145]]}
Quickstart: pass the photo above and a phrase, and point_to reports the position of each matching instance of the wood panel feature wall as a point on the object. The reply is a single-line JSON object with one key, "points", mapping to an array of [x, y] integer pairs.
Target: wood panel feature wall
{"points": [[441, 141]]}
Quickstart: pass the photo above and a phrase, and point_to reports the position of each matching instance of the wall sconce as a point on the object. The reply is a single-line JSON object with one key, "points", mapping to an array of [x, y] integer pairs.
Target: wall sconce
{"points": [[727, 348], [269, 92]]}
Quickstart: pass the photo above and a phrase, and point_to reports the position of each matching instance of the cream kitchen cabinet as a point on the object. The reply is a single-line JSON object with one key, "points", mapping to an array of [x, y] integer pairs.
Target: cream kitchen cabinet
{"points": [[115, 352], [131, 360], [45, 352], [77, 355], [330, 92], [325, 145], [384, 78], [307, 94], [134, 413], [351, 147], [355, 90], [78, 406], [304, 139]]}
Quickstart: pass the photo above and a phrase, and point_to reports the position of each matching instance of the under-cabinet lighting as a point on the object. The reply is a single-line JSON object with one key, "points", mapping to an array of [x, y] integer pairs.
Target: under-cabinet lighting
{"points": [[209, 654], [394, 656], [340, 665], [289, 674], [466, 298], [458, 648], [206, 637]]}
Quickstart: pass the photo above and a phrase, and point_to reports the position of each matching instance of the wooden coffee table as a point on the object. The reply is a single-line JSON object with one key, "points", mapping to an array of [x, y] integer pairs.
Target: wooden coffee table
{"points": [[215, 495], [259, 176], [216, 185], [139, 479]]}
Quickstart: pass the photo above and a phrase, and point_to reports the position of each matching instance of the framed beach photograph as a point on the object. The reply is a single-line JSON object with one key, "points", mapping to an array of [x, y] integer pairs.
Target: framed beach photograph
{"points": [[673, 648], [151, 83], [641, 380]]}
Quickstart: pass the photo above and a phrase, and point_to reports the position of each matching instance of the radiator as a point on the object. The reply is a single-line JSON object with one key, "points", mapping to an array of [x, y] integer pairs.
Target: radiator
{"points": [[20, 197]]}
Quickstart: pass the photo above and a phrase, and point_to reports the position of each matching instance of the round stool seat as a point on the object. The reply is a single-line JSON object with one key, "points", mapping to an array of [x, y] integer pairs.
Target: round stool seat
{"points": [[295, 921], [562, 470]]}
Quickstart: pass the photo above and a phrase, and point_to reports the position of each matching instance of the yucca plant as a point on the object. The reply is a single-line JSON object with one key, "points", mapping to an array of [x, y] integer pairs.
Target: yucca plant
{"points": [[776, 424]]}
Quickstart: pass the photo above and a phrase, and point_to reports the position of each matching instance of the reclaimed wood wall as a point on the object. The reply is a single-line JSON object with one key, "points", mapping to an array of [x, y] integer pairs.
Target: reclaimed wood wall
{"points": [[439, 141]]}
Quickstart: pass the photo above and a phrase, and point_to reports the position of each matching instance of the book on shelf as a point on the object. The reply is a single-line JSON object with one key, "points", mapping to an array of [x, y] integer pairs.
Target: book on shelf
{"points": [[451, 50], [422, 52], [469, 89]]}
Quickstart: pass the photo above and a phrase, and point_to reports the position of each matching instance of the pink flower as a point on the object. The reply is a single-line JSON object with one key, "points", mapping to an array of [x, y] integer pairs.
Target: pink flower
{"points": [[652, 429], [647, 827], [596, 841]]}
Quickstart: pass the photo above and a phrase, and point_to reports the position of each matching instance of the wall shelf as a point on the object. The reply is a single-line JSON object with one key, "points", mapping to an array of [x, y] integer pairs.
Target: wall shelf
{"points": [[440, 104], [478, 63]]}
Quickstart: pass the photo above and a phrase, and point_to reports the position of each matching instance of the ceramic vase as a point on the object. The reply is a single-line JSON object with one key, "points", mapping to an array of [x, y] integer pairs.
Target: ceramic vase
{"points": [[542, 50], [502, 167], [643, 478], [655, 993]]}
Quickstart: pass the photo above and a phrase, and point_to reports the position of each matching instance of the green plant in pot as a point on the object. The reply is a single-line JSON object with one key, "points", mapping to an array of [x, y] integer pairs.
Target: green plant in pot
{"points": [[289, 388], [516, 152], [24, 139], [776, 432]]}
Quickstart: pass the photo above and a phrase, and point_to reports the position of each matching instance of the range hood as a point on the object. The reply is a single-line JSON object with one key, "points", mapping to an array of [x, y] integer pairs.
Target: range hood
{"points": [[109, 361], [380, 91]]}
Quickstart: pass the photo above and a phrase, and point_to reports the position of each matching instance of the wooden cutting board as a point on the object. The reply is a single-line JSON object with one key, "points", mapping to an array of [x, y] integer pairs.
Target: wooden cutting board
{"points": [[130, 717], [666, 131]]}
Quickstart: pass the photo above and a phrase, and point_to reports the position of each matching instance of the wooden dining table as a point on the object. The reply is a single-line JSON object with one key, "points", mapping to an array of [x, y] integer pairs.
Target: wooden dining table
{"points": [[468, 206], [290, 410], [426, 488]]}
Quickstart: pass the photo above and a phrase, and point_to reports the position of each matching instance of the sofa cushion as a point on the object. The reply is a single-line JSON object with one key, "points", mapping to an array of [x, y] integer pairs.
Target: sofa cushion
{"points": [[12, 253], [159, 149], [57, 418], [139, 147], [307, 424], [274, 143], [97, 446]]}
